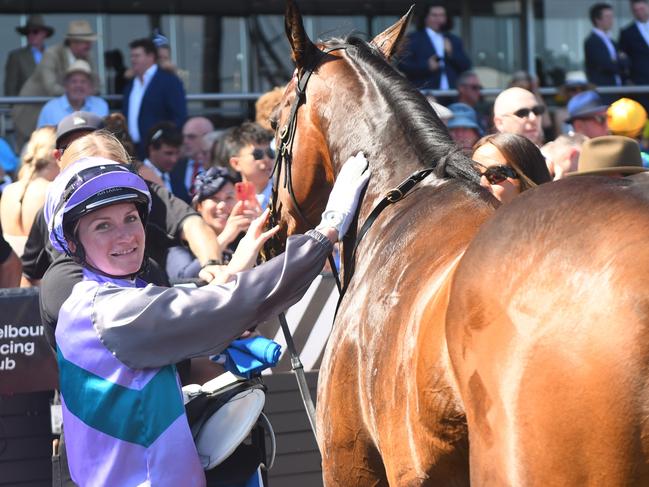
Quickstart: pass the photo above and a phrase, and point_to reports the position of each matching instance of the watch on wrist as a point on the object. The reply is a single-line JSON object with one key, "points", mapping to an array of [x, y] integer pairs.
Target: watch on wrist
{"points": [[212, 262], [332, 218]]}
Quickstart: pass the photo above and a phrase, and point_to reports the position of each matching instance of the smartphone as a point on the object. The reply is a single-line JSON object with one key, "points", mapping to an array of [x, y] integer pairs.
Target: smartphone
{"points": [[245, 191]]}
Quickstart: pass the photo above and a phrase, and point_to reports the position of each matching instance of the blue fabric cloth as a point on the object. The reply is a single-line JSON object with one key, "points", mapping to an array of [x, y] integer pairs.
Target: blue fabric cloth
{"points": [[8, 158], [58, 108], [248, 356]]}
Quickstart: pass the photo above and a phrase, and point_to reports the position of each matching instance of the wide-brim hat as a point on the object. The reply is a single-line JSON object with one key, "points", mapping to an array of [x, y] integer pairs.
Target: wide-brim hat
{"points": [[35, 22], [79, 66], [80, 30], [609, 154], [464, 116]]}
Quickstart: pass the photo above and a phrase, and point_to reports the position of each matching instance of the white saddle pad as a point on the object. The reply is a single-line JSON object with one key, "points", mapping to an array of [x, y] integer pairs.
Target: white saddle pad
{"points": [[224, 431]]}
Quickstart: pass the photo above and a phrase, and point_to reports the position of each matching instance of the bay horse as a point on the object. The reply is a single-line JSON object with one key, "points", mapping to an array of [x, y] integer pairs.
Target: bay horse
{"points": [[548, 331], [388, 412]]}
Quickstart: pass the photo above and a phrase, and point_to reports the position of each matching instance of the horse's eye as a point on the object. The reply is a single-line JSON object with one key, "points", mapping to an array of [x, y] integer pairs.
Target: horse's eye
{"points": [[273, 123]]}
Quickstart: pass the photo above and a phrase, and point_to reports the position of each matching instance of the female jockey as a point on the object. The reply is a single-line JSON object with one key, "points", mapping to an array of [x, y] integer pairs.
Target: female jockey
{"points": [[118, 338]]}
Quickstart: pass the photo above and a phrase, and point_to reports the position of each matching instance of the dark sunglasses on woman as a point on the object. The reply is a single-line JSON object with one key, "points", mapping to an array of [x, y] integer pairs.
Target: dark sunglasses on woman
{"points": [[525, 112], [498, 174]]}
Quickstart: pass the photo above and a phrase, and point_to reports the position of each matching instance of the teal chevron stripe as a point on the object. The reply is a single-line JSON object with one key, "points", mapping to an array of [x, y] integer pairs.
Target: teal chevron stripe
{"points": [[136, 416]]}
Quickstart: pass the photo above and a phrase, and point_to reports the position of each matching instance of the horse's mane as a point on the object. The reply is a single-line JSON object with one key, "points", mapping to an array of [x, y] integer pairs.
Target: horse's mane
{"points": [[424, 130]]}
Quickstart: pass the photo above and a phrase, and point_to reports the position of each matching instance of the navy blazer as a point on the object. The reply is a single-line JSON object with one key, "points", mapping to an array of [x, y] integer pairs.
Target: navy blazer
{"points": [[414, 63], [600, 68], [177, 180], [163, 100], [637, 50]]}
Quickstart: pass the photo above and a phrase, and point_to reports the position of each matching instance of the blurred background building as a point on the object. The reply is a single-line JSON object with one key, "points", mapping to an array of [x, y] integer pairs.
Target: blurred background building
{"points": [[239, 46]]}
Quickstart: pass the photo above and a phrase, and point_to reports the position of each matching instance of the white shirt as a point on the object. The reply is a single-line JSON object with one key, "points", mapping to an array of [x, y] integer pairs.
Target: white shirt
{"points": [[611, 49], [263, 198], [437, 40], [643, 27], [163, 175], [135, 101]]}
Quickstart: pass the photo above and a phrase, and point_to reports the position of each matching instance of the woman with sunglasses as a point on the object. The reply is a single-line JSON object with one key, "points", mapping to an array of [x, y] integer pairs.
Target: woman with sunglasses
{"points": [[509, 164], [216, 202], [117, 337]]}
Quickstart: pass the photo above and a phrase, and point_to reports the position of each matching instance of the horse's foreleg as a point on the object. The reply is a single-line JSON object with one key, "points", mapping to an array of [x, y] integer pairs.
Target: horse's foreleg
{"points": [[349, 457]]}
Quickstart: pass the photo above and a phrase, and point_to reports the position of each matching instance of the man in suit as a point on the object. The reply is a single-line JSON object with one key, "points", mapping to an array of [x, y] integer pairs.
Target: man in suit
{"points": [[194, 160], [48, 77], [605, 65], [22, 62], [634, 41], [434, 57], [153, 95]]}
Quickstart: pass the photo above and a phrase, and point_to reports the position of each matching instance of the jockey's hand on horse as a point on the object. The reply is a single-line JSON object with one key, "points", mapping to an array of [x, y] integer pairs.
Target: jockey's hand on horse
{"points": [[345, 195]]}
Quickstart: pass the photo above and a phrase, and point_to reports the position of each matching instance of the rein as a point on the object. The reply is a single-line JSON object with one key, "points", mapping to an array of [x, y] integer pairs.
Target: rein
{"points": [[284, 159]]}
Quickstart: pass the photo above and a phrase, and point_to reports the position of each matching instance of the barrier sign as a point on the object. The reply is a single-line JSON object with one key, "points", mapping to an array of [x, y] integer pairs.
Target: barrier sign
{"points": [[27, 362]]}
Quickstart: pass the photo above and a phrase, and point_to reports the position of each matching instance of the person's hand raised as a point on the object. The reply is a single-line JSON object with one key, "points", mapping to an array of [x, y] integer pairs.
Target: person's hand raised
{"points": [[239, 220], [248, 249]]}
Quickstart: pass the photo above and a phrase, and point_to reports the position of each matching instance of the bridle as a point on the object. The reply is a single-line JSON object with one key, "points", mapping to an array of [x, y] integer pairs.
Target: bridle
{"points": [[284, 156]]}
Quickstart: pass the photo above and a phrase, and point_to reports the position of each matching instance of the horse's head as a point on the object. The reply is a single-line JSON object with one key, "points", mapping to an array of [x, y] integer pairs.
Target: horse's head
{"points": [[311, 145]]}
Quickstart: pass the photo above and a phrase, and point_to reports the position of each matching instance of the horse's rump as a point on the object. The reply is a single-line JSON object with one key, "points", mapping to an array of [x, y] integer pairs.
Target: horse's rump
{"points": [[547, 328]]}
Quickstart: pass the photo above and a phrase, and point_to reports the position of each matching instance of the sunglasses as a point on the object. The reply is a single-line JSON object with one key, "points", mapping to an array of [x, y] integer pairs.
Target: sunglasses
{"points": [[474, 87], [259, 154], [525, 112], [498, 174], [598, 119]]}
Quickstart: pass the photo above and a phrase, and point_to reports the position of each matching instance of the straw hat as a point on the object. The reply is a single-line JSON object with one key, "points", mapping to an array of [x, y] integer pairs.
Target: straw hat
{"points": [[79, 66], [80, 30], [610, 154], [35, 22]]}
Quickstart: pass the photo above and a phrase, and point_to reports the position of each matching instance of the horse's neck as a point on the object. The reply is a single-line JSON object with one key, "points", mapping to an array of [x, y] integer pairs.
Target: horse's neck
{"points": [[387, 172]]}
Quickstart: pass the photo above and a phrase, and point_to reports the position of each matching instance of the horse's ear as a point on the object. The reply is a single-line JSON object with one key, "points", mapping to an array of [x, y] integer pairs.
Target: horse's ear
{"points": [[389, 40], [301, 46]]}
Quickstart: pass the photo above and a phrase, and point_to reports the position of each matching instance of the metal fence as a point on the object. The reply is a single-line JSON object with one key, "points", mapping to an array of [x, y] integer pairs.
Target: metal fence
{"points": [[246, 100]]}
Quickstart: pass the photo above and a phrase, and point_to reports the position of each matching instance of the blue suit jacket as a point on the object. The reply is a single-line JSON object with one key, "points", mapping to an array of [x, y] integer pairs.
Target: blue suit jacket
{"points": [[637, 49], [419, 48], [600, 68], [163, 100], [177, 180]]}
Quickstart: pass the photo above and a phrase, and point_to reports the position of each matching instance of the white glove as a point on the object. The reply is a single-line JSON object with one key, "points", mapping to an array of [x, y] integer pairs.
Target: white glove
{"points": [[345, 195]]}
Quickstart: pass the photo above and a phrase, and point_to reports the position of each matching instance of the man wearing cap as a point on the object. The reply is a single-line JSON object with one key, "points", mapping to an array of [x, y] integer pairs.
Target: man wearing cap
{"points": [[22, 62], [78, 86], [587, 114], [463, 126], [611, 155], [48, 77]]}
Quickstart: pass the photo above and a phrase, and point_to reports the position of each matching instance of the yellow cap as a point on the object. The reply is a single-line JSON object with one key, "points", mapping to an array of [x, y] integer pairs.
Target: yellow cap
{"points": [[626, 117]]}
